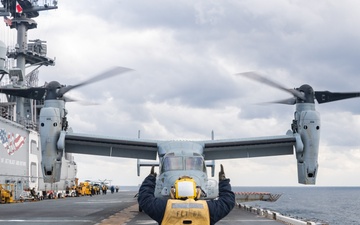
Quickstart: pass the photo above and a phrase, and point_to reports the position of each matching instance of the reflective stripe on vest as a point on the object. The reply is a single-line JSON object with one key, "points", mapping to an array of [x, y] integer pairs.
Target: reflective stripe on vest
{"points": [[186, 212]]}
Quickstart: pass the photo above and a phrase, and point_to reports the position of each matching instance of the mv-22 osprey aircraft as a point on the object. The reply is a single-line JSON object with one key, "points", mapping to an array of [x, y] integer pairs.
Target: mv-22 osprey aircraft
{"points": [[179, 158]]}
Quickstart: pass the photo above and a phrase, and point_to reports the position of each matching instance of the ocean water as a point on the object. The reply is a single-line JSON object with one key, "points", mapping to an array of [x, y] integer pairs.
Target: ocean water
{"points": [[334, 205]]}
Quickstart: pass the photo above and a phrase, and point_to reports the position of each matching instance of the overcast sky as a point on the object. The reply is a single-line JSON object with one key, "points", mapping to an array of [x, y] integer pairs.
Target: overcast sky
{"points": [[185, 55]]}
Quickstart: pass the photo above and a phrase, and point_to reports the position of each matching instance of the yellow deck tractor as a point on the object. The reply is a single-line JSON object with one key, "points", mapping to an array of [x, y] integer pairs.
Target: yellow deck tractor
{"points": [[84, 188], [6, 193]]}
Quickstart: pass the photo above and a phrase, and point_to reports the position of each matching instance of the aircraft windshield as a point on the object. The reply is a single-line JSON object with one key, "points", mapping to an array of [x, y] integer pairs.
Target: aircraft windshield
{"points": [[194, 163], [172, 163], [180, 163]]}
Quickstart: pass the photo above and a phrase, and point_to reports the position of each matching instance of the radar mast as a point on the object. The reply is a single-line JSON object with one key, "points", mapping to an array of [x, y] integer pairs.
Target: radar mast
{"points": [[19, 14]]}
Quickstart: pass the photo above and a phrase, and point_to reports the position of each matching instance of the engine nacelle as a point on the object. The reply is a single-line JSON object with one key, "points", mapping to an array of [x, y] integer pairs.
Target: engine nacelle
{"points": [[308, 126], [50, 127]]}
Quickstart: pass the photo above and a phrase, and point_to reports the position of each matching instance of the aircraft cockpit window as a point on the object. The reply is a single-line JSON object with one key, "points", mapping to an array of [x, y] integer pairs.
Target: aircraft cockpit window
{"points": [[172, 163], [194, 163]]}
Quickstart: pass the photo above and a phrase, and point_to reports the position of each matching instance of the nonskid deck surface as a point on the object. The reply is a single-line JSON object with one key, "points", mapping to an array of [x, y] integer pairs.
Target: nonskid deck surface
{"points": [[236, 216], [117, 208]]}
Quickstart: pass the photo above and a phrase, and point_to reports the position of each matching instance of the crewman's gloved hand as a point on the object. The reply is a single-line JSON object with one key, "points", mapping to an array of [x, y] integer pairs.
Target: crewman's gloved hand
{"points": [[152, 172], [221, 173]]}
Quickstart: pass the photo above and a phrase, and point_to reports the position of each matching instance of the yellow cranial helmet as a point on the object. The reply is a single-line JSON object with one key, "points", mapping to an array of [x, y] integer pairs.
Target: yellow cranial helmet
{"points": [[184, 188]]}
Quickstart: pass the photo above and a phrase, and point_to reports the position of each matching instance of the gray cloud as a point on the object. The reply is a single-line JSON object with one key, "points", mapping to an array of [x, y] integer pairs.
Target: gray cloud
{"points": [[186, 54]]}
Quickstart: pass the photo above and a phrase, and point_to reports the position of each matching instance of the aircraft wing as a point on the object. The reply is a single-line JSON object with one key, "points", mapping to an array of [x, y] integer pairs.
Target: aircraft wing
{"points": [[107, 146], [249, 147]]}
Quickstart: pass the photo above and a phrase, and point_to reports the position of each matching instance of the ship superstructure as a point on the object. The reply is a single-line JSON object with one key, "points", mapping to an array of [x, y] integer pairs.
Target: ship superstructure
{"points": [[20, 149]]}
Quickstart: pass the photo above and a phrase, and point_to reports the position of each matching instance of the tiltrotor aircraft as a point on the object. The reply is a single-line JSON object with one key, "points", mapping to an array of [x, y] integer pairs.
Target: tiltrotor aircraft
{"points": [[178, 158]]}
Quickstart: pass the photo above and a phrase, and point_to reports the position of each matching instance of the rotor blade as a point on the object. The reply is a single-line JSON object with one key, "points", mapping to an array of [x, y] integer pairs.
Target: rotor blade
{"points": [[257, 77], [102, 76], [289, 101], [327, 96], [82, 102], [69, 99], [32, 92]]}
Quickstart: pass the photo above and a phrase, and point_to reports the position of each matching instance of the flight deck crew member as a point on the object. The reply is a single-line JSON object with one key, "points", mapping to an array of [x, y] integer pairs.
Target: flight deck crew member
{"points": [[173, 211]]}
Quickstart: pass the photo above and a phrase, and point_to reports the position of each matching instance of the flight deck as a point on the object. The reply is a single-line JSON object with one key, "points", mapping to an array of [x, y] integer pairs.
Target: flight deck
{"points": [[130, 216], [117, 208]]}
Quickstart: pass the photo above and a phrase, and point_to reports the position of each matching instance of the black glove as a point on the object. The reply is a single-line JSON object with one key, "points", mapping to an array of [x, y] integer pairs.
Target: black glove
{"points": [[221, 173], [152, 172]]}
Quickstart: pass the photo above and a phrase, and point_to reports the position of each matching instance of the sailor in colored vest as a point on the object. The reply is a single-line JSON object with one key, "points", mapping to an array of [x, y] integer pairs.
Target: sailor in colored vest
{"points": [[184, 206]]}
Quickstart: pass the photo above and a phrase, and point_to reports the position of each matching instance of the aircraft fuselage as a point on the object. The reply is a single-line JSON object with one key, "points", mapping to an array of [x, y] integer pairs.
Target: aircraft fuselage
{"points": [[183, 158]]}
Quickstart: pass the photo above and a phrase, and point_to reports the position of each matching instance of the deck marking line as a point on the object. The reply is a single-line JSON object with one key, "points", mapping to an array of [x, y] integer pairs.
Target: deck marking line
{"points": [[46, 221]]}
